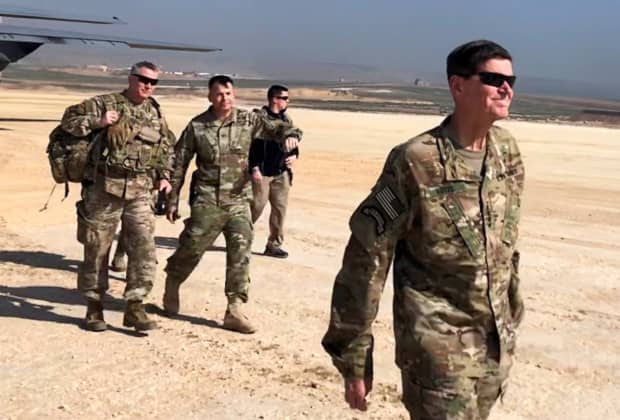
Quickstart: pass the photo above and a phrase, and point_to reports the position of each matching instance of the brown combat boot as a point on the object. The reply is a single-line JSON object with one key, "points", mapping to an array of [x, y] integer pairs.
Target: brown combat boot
{"points": [[171, 297], [119, 264], [235, 320], [135, 316], [94, 316]]}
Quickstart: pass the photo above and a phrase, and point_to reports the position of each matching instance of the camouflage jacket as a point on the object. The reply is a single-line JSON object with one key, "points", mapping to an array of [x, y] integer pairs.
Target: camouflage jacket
{"points": [[221, 149], [131, 169], [267, 155], [453, 236]]}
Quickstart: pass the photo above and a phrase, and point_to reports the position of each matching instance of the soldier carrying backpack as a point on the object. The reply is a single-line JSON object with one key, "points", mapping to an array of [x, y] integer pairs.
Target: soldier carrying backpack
{"points": [[120, 148]]}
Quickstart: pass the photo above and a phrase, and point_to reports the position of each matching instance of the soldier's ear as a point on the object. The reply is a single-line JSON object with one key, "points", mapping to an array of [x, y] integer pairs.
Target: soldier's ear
{"points": [[456, 84]]}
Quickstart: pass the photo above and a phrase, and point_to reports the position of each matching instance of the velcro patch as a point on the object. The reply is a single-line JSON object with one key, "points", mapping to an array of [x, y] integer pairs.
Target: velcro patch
{"points": [[376, 215], [389, 202]]}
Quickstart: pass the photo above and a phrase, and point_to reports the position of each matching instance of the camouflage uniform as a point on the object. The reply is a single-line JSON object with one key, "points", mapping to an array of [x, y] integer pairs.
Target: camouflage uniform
{"points": [[220, 192], [456, 299], [120, 188]]}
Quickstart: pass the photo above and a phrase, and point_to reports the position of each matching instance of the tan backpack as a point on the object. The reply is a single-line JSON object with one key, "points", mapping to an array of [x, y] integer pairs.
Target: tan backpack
{"points": [[69, 155]]}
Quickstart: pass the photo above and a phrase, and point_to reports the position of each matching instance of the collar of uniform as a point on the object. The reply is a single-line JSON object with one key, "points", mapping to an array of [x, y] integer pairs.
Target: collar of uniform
{"points": [[494, 166], [122, 98], [210, 119], [126, 100], [279, 115], [233, 116], [454, 166]]}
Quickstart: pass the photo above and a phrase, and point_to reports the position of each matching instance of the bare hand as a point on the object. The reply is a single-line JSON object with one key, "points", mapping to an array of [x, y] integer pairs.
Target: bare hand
{"points": [[355, 392], [109, 118], [290, 144], [289, 161], [256, 175], [164, 184], [172, 214]]}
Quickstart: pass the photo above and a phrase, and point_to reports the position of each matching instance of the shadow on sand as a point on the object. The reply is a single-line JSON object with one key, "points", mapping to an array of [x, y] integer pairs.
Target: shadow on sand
{"points": [[172, 243], [154, 309], [41, 259], [15, 303], [215, 248]]}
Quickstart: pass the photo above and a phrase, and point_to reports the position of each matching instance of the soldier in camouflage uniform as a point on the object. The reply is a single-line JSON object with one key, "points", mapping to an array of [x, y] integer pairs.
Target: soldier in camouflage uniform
{"points": [[135, 150], [446, 206], [220, 195]]}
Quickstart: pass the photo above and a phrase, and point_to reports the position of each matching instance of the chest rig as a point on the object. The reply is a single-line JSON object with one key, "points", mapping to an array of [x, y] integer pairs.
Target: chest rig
{"points": [[147, 150]]}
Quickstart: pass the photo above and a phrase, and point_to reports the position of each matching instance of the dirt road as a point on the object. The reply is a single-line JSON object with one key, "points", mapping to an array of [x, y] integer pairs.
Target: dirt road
{"points": [[567, 364]]}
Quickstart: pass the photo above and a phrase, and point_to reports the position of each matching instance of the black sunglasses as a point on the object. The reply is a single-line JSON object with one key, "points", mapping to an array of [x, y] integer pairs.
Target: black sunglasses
{"points": [[496, 79], [146, 80], [284, 98]]}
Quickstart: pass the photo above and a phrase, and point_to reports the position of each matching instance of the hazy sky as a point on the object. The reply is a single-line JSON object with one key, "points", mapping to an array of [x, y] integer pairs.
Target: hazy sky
{"points": [[570, 39]]}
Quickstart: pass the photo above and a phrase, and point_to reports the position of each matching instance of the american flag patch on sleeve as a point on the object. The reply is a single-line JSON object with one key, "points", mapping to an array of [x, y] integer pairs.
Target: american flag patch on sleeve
{"points": [[389, 203]]}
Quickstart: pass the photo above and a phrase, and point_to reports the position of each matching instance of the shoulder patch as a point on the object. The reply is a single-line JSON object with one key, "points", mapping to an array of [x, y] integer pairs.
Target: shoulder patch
{"points": [[389, 202], [377, 216], [380, 209]]}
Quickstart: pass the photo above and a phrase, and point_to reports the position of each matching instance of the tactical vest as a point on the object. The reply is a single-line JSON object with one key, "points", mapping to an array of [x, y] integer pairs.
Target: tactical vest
{"points": [[147, 150]]}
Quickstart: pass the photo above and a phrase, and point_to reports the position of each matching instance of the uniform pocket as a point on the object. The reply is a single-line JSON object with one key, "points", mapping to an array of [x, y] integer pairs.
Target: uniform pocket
{"points": [[434, 403], [240, 138], [208, 149], [510, 231], [208, 175], [465, 227], [149, 135], [86, 232]]}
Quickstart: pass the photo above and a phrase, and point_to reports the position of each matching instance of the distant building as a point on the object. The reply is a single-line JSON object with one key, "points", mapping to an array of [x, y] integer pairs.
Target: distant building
{"points": [[421, 83], [345, 91], [97, 67]]}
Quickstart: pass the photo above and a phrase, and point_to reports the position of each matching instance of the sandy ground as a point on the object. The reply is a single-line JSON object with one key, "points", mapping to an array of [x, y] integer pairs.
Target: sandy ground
{"points": [[567, 366]]}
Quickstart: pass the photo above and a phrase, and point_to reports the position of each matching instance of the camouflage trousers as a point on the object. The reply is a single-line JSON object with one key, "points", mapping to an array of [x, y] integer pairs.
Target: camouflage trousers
{"points": [[98, 215], [203, 226], [274, 189], [121, 244], [461, 397]]}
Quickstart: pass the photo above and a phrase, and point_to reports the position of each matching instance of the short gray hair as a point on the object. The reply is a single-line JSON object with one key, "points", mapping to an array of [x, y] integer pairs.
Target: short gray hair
{"points": [[141, 64]]}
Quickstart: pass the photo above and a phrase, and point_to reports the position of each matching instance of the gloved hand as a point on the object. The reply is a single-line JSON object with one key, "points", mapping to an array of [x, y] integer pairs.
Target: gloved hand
{"points": [[122, 132]]}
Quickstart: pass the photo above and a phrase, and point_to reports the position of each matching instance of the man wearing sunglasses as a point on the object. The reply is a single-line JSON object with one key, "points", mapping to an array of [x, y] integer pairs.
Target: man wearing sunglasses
{"points": [[446, 210], [220, 194], [272, 172], [131, 157]]}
